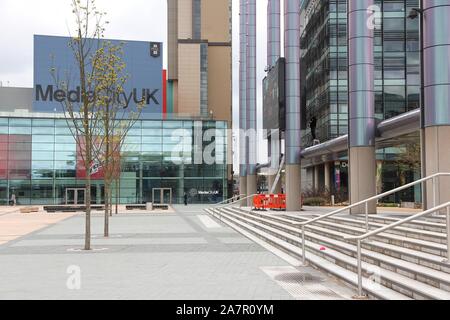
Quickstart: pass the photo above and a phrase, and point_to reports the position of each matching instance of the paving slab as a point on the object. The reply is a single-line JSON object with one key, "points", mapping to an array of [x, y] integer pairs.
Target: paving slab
{"points": [[179, 255]]}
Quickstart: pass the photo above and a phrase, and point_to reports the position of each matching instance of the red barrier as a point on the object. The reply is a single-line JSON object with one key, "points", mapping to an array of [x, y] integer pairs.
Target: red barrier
{"points": [[273, 202], [260, 202], [278, 202]]}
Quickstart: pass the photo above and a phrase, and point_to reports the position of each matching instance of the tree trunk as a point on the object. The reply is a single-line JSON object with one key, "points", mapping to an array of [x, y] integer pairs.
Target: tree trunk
{"points": [[87, 239], [106, 226], [119, 190], [117, 196], [110, 200]]}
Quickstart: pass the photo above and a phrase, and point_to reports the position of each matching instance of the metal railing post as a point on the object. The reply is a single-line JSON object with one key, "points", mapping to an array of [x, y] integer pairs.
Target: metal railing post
{"points": [[448, 234], [423, 186], [360, 289], [367, 216], [434, 192], [303, 246]]}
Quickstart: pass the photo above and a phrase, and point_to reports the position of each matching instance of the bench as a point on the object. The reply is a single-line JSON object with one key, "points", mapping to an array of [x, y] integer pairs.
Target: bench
{"points": [[136, 207], [72, 208], [29, 209], [161, 206], [148, 207]]}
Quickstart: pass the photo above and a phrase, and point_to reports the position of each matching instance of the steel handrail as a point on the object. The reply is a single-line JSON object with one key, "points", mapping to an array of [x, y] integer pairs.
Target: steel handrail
{"points": [[241, 199], [367, 235], [366, 203], [226, 201], [398, 223]]}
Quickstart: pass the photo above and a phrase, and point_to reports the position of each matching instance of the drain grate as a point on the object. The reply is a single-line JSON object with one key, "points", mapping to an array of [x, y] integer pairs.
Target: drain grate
{"points": [[301, 285], [298, 277]]}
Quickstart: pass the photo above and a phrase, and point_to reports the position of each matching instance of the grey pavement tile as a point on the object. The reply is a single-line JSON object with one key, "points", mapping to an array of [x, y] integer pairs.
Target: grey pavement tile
{"points": [[147, 257]]}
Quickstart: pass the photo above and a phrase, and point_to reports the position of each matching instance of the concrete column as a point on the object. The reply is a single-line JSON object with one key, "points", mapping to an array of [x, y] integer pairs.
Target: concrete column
{"points": [[436, 109], [243, 98], [243, 189], [362, 159], [251, 100], [327, 173], [293, 101], [251, 188], [273, 54], [316, 178], [362, 184], [293, 187], [273, 32]]}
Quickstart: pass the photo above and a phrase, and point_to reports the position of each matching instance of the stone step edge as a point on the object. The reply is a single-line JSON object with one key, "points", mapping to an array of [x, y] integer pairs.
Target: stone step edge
{"points": [[341, 245], [395, 278], [432, 258], [321, 263]]}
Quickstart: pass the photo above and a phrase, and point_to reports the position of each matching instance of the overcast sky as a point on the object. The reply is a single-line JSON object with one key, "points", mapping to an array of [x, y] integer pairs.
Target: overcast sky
{"points": [[144, 20]]}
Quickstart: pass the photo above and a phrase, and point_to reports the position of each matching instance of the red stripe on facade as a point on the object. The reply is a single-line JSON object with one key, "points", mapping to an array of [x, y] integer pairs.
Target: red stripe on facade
{"points": [[164, 85]]}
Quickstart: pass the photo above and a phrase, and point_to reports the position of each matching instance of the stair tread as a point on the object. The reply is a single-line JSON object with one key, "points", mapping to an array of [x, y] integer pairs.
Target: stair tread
{"points": [[439, 235], [405, 229], [392, 236], [423, 288], [418, 222], [347, 275], [382, 245], [438, 275]]}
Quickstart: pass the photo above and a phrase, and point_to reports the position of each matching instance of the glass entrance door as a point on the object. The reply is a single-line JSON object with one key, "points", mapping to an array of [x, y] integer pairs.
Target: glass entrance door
{"points": [[166, 196], [162, 196], [80, 196], [70, 196], [75, 196]]}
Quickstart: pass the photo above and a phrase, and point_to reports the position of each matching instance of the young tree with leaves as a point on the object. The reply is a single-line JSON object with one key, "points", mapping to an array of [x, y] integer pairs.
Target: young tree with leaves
{"points": [[84, 118], [116, 119]]}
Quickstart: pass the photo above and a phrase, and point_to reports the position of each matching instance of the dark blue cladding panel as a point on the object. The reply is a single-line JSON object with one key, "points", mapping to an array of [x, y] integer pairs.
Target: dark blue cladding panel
{"points": [[143, 62]]}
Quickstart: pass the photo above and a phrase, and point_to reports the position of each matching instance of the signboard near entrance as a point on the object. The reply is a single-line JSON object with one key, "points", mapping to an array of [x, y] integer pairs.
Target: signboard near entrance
{"points": [[274, 97]]}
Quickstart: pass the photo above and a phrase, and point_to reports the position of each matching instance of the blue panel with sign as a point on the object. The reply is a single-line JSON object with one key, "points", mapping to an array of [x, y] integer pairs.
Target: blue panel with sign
{"points": [[143, 62]]}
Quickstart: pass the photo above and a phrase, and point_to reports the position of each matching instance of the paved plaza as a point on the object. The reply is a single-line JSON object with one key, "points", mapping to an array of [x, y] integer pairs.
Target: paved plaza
{"points": [[183, 254]]}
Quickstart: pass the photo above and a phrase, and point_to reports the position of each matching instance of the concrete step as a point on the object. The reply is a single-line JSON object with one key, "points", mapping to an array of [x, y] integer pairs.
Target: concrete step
{"points": [[427, 241], [398, 240], [436, 219], [419, 224], [409, 269], [421, 258], [394, 272], [438, 237], [349, 277]]}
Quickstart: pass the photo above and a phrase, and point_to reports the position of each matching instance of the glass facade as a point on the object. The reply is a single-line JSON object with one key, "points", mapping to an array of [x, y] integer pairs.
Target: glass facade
{"points": [[204, 79], [324, 55], [397, 84], [39, 161], [196, 19]]}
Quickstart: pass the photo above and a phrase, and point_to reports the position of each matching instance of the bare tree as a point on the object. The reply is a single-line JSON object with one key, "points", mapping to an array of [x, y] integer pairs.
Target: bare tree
{"points": [[116, 118], [408, 161], [84, 117], [410, 157]]}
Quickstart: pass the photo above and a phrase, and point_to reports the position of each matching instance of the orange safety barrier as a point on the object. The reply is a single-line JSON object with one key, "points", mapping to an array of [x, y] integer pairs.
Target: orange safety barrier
{"points": [[273, 201], [277, 201], [260, 202]]}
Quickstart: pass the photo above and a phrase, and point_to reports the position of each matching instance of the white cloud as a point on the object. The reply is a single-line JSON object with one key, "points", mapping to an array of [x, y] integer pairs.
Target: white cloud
{"points": [[20, 19], [144, 20]]}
